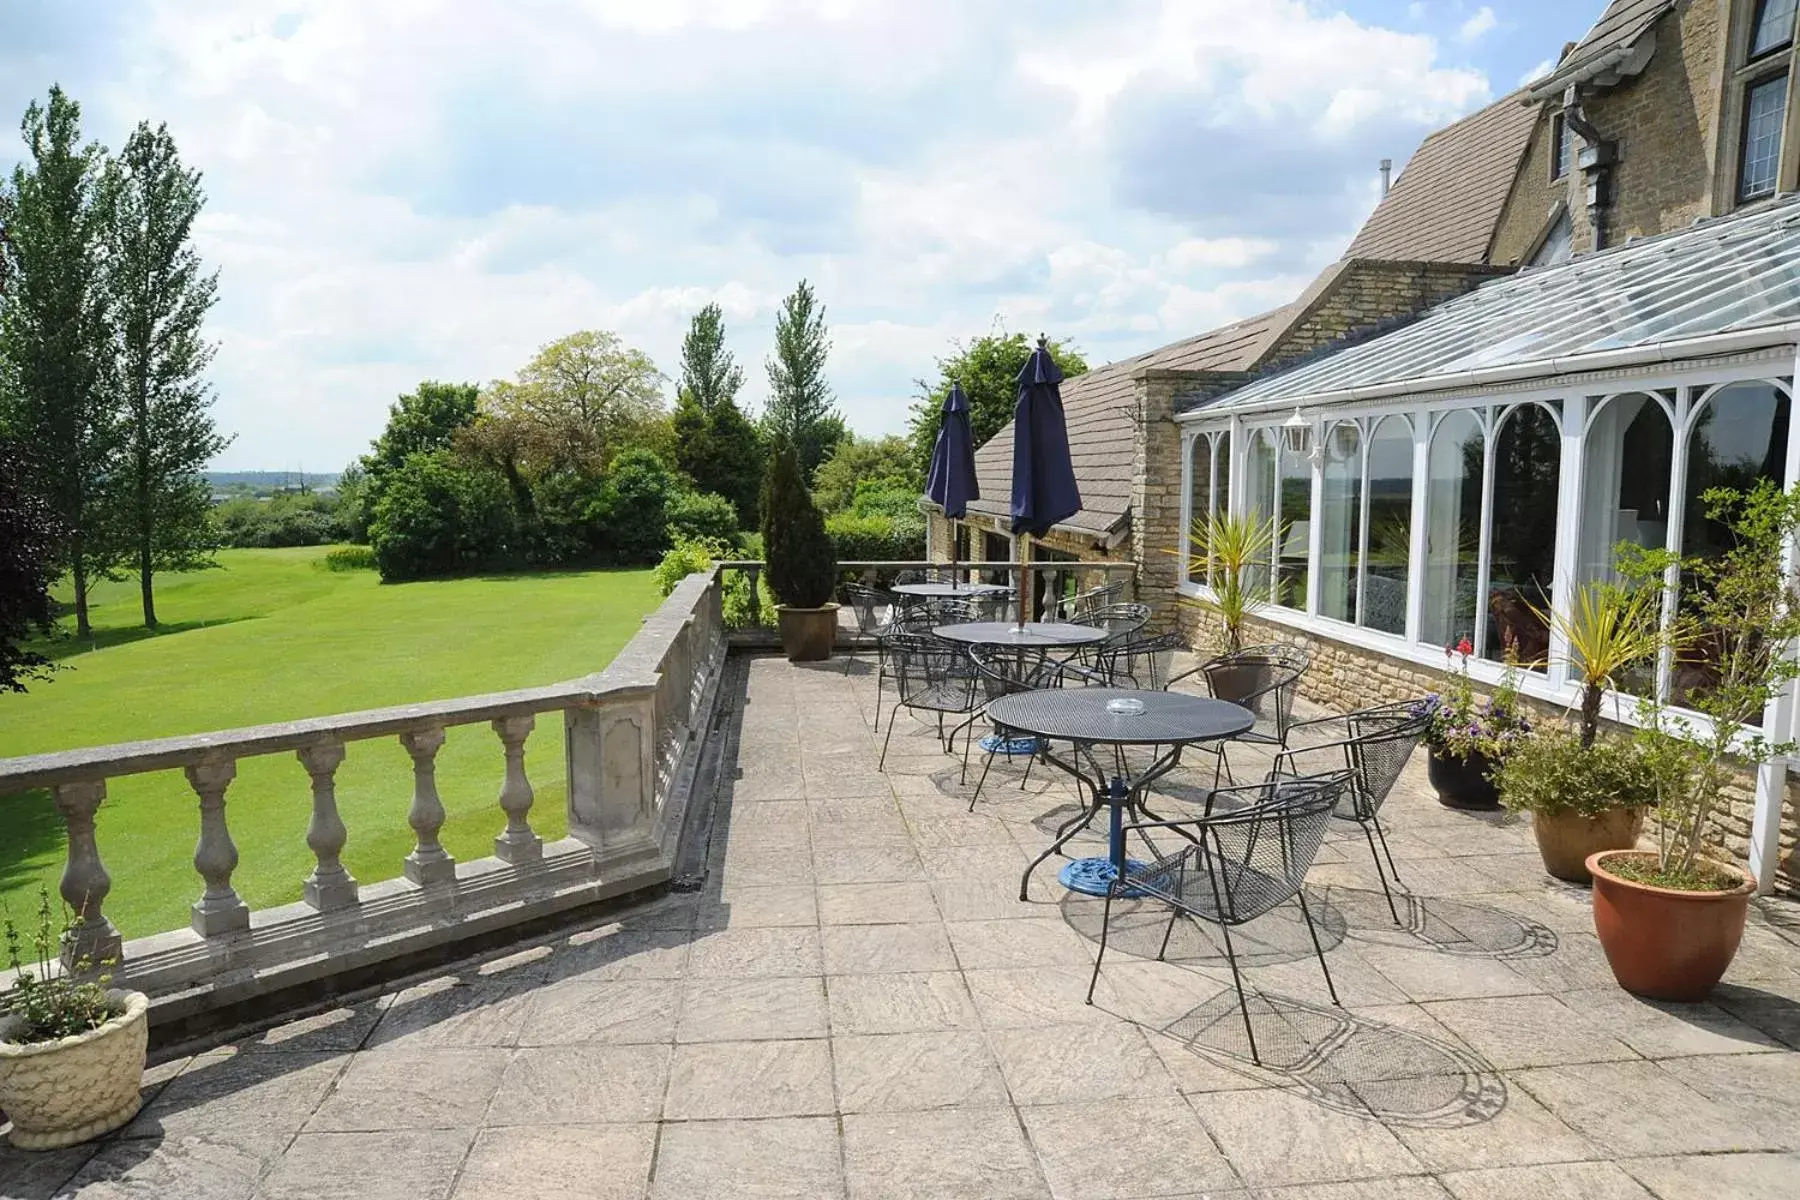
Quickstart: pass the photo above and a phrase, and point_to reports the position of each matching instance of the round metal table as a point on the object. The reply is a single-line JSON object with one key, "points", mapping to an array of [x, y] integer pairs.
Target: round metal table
{"points": [[1116, 717], [947, 591], [1033, 635]]}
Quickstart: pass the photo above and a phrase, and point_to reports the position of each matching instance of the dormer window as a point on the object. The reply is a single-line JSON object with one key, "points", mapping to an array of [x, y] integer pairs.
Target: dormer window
{"points": [[1774, 27], [1562, 147], [1765, 111]]}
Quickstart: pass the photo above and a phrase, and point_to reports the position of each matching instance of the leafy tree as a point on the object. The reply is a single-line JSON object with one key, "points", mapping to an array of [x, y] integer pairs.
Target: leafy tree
{"points": [[421, 421], [709, 375], [715, 445], [436, 517], [583, 399], [284, 519], [702, 516], [802, 562], [56, 390], [800, 410], [988, 369], [631, 515], [27, 568], [870, 464], [159, 299]]}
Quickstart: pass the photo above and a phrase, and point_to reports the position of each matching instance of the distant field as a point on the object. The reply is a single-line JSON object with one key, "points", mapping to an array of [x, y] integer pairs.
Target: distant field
{"points": [[274, 636]]}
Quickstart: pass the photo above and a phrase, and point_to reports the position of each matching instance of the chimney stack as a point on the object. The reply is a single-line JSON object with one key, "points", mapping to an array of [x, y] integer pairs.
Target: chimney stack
{"points": [[1387, 175]]}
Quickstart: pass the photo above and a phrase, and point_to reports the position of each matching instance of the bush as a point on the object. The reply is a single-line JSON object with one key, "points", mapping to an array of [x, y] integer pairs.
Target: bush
{"points": [[436, 517], [350, 558], [702, 515], [876, 538], [684, 558], [1549, 772], [802, 563], [284, 519]]}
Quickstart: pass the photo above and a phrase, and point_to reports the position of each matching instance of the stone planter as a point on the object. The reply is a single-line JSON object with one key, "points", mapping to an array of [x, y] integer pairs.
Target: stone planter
{"points": [[1462, 783], [68, 1091], [1665, 944], [807, 633], [1566, 839]]}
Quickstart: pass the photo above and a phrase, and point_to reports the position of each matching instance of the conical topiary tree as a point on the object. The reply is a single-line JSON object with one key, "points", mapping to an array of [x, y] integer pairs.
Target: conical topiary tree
{"points": [[802, 562]]}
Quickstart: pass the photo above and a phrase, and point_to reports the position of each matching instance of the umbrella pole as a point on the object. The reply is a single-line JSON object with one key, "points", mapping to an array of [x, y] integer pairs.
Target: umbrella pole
{"points": [[1023, 555]]}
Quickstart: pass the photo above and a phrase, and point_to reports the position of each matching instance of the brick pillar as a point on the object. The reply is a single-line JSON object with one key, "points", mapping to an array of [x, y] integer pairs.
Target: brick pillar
{"points": [[1156, 496]]}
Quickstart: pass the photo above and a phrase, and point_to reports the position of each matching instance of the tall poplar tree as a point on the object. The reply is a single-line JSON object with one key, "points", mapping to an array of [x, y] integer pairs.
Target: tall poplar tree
{"points": [[800, 408], [715, 444], [160, 298], [56, 392]]}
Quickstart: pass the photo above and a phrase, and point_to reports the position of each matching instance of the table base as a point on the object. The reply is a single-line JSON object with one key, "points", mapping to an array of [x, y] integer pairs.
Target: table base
{"points": [[993, 743], [1094, 876]]}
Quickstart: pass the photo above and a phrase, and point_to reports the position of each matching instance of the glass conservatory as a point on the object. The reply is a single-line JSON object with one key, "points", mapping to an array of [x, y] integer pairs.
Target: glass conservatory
{"points": [[1460, 476]]}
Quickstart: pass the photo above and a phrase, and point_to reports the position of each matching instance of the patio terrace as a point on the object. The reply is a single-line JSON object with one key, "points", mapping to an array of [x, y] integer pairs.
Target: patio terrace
{"points": [[857, 1004]]}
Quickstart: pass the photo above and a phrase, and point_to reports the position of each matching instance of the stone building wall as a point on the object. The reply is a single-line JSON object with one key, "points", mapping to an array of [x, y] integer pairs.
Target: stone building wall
{"points": [[1345, 677], [1156, 494], [1532, 198], [1368, 293]]}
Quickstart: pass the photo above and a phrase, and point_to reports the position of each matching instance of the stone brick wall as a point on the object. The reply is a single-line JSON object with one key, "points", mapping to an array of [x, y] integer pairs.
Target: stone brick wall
{"points": [[1345, 677], [1156, 494], [1367, 293], [1533, 195]]}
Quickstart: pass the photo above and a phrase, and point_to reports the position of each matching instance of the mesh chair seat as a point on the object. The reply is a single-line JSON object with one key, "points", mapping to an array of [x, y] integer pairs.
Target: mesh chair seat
{"points": [[1084, 604], [933, 676], [1122, 622], [1263, 679], [1147, 663]]}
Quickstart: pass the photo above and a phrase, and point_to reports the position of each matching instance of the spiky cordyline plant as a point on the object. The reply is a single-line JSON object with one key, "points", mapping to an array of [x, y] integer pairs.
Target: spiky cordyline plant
{"points": [[1235, 544], [1609, 628]]}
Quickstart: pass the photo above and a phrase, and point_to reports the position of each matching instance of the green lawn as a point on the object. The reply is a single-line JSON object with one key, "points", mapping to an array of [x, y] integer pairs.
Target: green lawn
{"points": [[274, 636]]}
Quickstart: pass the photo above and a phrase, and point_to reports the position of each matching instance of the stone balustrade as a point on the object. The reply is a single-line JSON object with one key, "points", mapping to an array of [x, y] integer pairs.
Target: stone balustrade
{"points": [[631, 751]]}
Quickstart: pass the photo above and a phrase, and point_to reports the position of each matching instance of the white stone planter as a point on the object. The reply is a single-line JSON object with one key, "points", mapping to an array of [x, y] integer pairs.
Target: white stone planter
{"points": [[63, 1092]]}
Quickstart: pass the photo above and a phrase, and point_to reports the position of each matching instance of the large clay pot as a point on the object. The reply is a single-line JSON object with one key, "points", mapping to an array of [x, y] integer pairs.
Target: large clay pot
{"points": [[1665, 944], [1462, 782], [807, 633], [69, 1091], [1566, 839]]}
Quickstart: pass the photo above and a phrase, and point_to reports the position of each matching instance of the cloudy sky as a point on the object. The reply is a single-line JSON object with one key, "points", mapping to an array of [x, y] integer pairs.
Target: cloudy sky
{"points": [[406, 189]]}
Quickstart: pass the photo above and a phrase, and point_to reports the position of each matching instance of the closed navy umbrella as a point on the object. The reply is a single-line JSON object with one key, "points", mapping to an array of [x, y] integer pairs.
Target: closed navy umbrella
{"points": [[1043, 479], [951, 483]]}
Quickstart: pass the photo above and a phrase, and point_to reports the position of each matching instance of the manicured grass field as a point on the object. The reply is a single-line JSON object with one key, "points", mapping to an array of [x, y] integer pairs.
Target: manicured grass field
{"points": [[273, 636]]}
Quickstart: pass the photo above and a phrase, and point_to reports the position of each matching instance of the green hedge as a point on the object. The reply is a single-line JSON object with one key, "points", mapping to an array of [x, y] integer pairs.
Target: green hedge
{"points": [[877, 538]]}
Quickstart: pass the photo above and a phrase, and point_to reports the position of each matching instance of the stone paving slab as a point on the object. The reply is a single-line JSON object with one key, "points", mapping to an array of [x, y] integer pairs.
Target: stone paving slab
{"points": [[858, 1005]]}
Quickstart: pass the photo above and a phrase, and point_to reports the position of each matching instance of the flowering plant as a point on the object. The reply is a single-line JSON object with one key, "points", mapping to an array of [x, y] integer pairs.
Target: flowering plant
{"points": [[1459, 726]]}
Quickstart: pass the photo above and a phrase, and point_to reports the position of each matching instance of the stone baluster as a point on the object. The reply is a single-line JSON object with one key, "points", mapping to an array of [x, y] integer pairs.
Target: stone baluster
{"points": [[329, 886], [517, 843], [85, 882], [755, 574], [220, 910], [429, 863]]}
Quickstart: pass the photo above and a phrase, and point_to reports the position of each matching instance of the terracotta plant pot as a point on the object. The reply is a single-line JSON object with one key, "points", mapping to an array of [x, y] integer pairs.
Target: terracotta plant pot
{"points": [[69, 1091], [807, 633], [1462, 782], [1665, 944], [1566, 839]]}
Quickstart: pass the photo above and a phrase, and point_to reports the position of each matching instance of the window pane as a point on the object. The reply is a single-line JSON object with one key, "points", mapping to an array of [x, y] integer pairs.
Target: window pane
{"points": [[1522, 538], [1765, 107], [1390, 526], [1199, 503], [1774, 26], [1562, 148], [1221, 498], [1625, 496], [1259, 495], [1739, 437], [1452, 531], [1295, 513], [1340, 551]]}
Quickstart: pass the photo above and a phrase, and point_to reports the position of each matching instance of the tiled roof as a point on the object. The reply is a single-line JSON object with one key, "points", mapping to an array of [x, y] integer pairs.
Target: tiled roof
{"points": [[1646, 301], [1623, 22], [1445, 204], [1099, 408]]}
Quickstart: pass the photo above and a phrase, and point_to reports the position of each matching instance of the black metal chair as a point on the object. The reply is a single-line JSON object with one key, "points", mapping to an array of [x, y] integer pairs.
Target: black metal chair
{"points": [[1004, 671], [953, 611], [1083, 604], [937, 677], [1265, 680], [1145, 663], [1122, 622], [1372, 746], [873, 609], [1247, 856]]}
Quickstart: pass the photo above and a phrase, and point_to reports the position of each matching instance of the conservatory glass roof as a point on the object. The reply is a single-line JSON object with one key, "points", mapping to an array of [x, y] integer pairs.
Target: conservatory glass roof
{"points": [[1640, 301]]}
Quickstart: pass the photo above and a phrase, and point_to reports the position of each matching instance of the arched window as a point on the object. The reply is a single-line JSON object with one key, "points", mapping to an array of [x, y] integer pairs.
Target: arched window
{"points": [[1260, 486], [1293, 507], [1340, 522], [1199, 505], [1625, 487], [1453, 528], [1388, 500], [1522, 535]]}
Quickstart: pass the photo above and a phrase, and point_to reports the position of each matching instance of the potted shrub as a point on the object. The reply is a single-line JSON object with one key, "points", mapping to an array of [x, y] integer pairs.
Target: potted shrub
{"points": [[71, 1048], [1468, 738], [1670, 919], [1235, 545], [1584, 794], [802, 564]]}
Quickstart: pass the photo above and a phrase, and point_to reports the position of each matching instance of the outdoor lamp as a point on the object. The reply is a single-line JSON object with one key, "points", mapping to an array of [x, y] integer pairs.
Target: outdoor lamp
{"points": [[1297, 434]]}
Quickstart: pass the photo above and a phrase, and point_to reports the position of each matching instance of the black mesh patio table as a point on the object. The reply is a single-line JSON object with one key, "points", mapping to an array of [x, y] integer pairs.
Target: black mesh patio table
{"points": [[1116, 717], [947, 591], [1033, 635]]}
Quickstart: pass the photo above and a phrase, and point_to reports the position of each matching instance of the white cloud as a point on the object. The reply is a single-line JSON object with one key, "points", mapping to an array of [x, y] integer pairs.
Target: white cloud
{"points": [[425, 189], [1479, 25], [1538, 72]]}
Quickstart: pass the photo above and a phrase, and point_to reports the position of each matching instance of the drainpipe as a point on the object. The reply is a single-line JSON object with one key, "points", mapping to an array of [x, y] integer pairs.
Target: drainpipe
{"points": [[1597, 158], [1387, 176]]}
